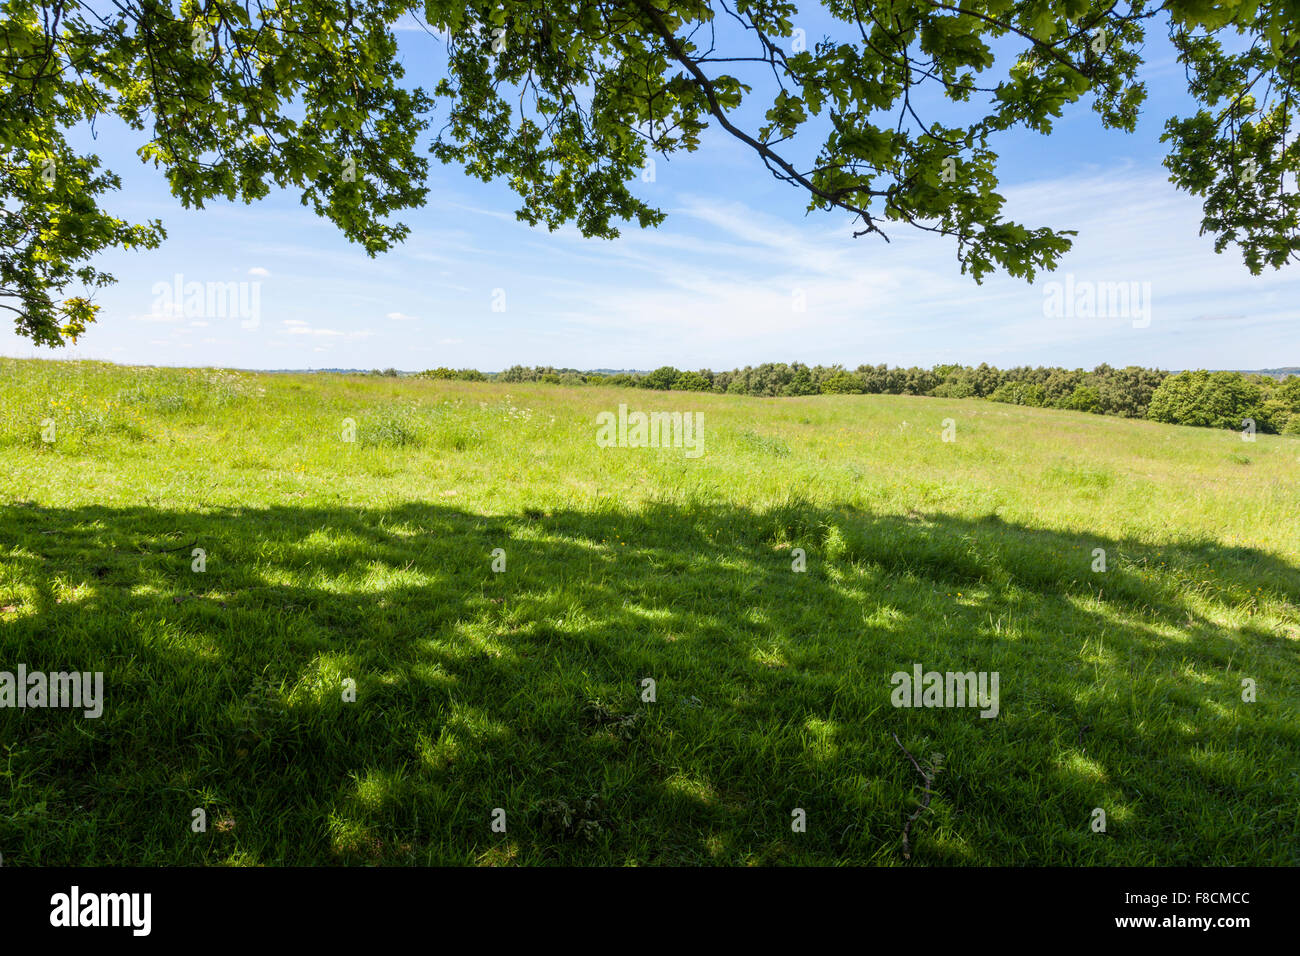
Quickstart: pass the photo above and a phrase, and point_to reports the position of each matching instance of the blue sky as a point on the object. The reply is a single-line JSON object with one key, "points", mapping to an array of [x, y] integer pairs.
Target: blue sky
{"points": [[716, 286]]}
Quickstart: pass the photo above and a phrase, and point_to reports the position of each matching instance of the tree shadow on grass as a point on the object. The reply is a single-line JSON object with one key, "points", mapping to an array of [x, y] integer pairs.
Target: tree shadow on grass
{"points": [[524, 690]]}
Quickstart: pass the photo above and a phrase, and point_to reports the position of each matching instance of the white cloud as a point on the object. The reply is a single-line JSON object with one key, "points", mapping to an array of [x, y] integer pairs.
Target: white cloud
{"points": [[718, 286], [299, 327], [163, 309]]}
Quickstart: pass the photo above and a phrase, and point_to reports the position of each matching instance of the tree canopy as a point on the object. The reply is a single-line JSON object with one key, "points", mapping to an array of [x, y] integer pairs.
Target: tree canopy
{"points": [[891, 113]]}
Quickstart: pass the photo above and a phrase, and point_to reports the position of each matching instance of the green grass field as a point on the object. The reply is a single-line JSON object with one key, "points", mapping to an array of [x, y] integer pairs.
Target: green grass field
{"points": [[371, 561]]}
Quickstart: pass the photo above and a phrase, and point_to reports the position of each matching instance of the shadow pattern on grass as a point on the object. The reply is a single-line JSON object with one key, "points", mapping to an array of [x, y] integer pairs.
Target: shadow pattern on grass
{"points": [[523, 690]]}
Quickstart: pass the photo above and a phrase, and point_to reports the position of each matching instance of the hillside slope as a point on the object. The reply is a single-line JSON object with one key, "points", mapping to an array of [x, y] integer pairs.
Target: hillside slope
{"points": [[331, 563]]}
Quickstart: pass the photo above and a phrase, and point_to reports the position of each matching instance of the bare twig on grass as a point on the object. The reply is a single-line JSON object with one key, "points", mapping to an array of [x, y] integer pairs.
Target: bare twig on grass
{"points": [[936, 760]]}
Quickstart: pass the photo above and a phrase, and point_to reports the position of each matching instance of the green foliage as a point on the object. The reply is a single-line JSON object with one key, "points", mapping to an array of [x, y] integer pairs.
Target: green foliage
{"points": [[1127, 391], [693, 381], [841, 383], [459, 375], [1240, 149], [517, 373], [954, 388], [1084, 398], [1020, 393], [568, 103], [229, 101], [661, 378], [1216, 400], [520, 373]]}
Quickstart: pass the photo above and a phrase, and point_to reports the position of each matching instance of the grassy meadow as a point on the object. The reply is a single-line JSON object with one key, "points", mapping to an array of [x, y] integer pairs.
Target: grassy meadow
{"points": [[371, 561]]}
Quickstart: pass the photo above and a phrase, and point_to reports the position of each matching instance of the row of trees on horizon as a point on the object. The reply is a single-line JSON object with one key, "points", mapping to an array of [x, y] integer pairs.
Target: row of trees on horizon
{"points": [[1211, 399]]}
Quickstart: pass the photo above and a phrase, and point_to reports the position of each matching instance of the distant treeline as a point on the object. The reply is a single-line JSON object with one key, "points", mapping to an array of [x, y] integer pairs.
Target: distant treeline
{"points": [[1214, 399]]}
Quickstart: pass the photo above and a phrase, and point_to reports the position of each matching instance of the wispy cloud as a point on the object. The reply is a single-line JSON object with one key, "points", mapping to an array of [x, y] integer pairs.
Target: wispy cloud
{"points": [[741, 282], [299, 327]]}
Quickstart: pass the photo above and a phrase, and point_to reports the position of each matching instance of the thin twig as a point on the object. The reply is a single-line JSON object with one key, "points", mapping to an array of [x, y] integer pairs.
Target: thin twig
{"points": [[928, 779], [140, 550]]}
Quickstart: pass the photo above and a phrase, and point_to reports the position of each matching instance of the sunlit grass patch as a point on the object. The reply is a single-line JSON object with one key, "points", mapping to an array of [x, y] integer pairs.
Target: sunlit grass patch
{"points": [[355, 678]]}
